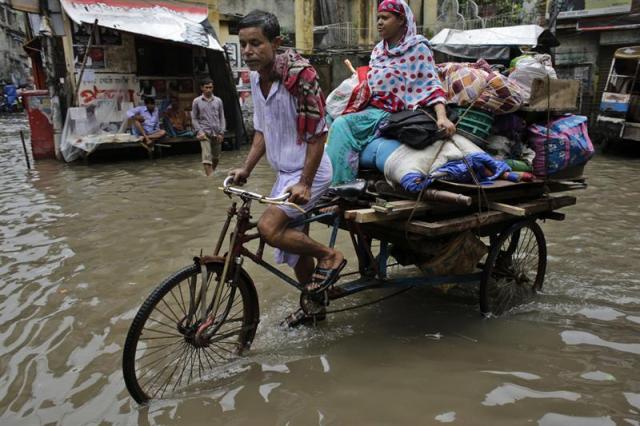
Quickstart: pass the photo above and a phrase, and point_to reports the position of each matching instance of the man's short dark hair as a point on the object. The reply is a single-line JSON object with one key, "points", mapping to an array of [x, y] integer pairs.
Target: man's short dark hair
{"points": [[149, 100], [268, 22], [205, 81]]}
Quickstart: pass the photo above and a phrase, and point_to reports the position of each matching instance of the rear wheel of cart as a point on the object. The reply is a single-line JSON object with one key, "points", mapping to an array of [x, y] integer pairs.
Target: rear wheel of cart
{"points": [[514, 269]]}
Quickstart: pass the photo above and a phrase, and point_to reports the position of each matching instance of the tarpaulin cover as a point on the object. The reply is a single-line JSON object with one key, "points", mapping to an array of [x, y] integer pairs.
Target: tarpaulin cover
{"points": [[490, 43], [86, 127], [168, 20]]}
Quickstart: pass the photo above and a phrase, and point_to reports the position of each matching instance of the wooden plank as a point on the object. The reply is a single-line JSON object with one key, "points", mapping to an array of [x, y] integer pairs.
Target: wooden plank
{"points": [[475, 220], [372, 215], [507, 208], [398, 206]]}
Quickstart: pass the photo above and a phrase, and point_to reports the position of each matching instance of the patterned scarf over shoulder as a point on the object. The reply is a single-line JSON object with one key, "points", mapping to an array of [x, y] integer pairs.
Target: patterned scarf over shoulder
{"points": [[301, 80]]}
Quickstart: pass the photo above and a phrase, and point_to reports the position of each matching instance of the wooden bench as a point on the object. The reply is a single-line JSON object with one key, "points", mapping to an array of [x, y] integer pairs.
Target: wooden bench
{"points": [[160, 147]]}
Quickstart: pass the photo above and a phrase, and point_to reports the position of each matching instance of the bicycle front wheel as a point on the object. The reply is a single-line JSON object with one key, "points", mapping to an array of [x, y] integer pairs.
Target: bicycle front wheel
{"points": [[169, 348]]}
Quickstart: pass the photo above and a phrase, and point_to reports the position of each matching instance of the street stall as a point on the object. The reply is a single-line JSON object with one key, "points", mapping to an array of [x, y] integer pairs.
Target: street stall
{"points": [[493, 44], [124, 51]]}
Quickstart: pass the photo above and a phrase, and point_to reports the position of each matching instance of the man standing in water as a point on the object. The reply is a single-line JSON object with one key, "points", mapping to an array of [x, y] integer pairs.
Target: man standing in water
{"points": [[290, 128], [207, 119]]}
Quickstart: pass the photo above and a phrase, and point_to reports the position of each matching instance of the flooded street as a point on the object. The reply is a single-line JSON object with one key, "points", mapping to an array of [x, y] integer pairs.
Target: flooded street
{"points": [[82, 246]]}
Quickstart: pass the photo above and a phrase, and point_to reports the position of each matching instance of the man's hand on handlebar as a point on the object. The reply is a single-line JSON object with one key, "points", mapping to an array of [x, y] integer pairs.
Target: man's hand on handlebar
{"points": [[240, 176], [300, 194]]}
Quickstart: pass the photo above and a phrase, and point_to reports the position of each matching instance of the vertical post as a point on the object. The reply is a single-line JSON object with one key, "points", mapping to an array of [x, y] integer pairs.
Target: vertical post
{"points": [[304, 25], [430, 16], [24, 148], [67, 45], [554, 10], [214, 18], [50, 61], [86, 55]]}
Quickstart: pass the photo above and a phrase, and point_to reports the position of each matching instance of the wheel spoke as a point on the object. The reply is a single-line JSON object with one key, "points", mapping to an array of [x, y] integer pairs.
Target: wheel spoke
{"points": [[176, 318], [171, 327], [159, 372], [184, 311], [175, 368], [164, 333], [157, 350]]}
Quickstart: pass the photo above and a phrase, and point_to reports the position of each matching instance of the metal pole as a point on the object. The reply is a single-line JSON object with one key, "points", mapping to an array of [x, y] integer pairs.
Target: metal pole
{"points": [[24, 148], [86, 55]]}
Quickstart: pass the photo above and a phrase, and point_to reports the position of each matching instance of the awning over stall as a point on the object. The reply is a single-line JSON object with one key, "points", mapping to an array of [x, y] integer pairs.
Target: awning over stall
{"points": [[168, 20], [491, 43]]}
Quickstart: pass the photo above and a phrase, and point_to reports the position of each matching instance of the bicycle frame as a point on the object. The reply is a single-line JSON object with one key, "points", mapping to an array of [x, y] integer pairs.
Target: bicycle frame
{"points": [[240, 236], [372, 269]]}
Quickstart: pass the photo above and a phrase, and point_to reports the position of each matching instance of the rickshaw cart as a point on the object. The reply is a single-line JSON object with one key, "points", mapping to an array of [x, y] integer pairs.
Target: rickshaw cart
{"points": [[203, 316]]}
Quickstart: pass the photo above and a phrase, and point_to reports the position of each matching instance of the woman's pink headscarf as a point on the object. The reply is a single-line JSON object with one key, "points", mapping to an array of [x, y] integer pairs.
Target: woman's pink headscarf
{"points": [[393, 6]]}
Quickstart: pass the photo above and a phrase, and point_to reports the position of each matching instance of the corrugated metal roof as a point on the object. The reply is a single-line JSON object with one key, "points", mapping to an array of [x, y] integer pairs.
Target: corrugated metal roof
{"points": [[168, 20]]}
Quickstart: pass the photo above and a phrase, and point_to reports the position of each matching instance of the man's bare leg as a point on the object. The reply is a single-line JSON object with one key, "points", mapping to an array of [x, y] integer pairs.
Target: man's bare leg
{"points": [[214, 164], [273, 227], [208, 169], [304, 269], [158, 134], [305, 266]]}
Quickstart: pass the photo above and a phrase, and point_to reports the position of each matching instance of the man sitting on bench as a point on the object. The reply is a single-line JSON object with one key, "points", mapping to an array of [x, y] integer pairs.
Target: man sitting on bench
{"points": [[146, 121]]}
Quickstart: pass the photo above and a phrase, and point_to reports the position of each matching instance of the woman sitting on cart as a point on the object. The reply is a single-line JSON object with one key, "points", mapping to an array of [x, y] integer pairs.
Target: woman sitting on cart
{"points": [[402, 76]]}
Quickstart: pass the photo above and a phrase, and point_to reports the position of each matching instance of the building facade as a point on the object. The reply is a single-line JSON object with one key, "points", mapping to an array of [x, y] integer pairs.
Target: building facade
{"points": [[14, 62]]}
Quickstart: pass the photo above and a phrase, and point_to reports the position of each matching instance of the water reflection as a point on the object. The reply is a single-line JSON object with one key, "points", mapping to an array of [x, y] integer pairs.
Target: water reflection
{"points": [[82, 246], [598, 376], [265, 390]]}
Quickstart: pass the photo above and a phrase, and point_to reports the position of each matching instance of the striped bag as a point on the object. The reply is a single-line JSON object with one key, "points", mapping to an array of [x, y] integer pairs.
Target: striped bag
{"points": [[568, 145]]}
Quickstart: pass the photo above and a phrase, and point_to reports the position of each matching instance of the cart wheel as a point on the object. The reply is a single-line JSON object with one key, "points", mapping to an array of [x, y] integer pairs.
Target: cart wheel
{"points": [[514, 269]]}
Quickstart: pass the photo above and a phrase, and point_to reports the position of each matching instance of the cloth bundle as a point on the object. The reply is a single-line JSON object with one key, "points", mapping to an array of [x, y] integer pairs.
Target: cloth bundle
{"points": [[408, 168], [465, 83]]}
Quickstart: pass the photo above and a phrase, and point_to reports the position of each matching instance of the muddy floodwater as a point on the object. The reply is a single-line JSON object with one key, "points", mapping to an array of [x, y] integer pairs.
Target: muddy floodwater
{"points": [[81, 247]]}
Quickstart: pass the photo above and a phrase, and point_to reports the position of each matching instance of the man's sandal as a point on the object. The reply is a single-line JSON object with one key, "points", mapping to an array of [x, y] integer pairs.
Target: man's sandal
{"points": [[323, 278]]}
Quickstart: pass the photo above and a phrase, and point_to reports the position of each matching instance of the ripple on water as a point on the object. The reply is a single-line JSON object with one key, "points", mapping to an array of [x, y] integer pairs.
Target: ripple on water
{"points": [[510, 393], [553, 419], [573, 337]]}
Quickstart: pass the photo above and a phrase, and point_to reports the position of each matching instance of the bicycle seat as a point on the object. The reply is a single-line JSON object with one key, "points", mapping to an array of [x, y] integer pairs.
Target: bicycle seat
{"points": [[351, 189]]}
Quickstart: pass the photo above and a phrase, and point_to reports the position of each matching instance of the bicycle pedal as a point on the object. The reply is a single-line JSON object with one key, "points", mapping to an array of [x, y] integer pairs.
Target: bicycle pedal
{"points": [[314, 304], [299, 318]]}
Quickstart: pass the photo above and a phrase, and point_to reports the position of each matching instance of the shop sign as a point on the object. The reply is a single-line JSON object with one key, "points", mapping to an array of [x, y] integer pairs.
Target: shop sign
{"points": [[121, 87], [582, 8], [32, 6]]}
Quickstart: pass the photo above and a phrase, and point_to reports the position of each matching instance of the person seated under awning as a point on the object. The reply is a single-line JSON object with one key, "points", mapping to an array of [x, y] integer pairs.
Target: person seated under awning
{"points": [[176, 120], [146, 121]]}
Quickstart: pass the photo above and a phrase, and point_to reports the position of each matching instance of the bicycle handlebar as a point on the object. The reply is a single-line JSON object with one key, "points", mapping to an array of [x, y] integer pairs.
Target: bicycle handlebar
{"points": [[279, 200]]}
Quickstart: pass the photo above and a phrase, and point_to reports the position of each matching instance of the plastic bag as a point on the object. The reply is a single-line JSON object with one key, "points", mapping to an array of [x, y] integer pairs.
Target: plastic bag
{"points": [[338, 100], [529, 68], [352, 95]]}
